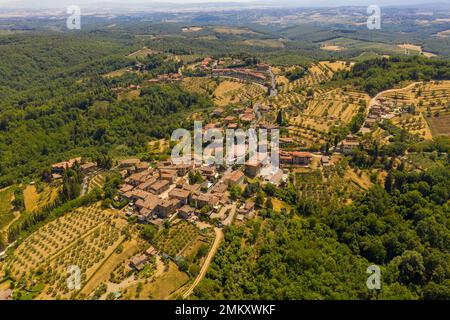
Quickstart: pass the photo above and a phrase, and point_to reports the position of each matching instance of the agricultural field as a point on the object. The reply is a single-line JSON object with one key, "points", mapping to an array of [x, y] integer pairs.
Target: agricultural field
{"points": [[36, 199], [142, 53], [346, 44], [98, 181], [440, 126], [84, 238], [414, 124], [178, 237], [128, 95], [325, 184], [159, 288], [202, 85], [431, 100], [270, 43], [236, 92], [233, 30], [336, 104]]}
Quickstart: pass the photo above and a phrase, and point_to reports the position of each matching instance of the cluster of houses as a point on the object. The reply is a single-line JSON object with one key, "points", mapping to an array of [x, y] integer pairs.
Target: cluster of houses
{"points": [[383, 109], [59, 168], [160, 192]]}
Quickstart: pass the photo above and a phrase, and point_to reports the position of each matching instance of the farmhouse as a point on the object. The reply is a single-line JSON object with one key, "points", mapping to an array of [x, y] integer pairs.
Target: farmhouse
{"points": [[217, 112], [136, 194], [142, 166], [349, 145], [247, 117], [219, 188], [139, 262], [183, 169], [137, 178], [229, 119], [325, 161], [168, 175], [247, 208], [125, 188], [61, 166], [208, 172], [295, 158]]}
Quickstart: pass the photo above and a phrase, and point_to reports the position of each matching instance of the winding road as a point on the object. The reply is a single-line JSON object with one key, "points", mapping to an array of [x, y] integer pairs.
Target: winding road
{"points": [[209, 257]]}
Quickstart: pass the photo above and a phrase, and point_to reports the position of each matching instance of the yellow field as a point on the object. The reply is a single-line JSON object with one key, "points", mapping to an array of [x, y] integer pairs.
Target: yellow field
{"points": [[102, 275], [192, 29], [116, 73], [141, 53], [161, 287], [332, 48], [35, 200], [236, 92], [129, 95]]}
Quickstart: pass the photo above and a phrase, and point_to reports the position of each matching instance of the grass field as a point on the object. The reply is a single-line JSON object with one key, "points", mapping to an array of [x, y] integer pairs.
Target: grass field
{"points": [[236, 92], [161, 287], [35, 200]]}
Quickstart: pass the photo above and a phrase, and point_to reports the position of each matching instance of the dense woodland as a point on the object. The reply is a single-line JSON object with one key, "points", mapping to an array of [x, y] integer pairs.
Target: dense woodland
{"points": [[377, 75]]}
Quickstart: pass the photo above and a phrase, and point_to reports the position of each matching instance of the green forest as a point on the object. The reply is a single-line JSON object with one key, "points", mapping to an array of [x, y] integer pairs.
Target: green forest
{"points": [[376, 75]]}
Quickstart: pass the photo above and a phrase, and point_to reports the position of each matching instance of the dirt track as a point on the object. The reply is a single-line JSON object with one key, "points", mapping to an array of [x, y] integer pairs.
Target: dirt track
{"points": [[212, 252]]}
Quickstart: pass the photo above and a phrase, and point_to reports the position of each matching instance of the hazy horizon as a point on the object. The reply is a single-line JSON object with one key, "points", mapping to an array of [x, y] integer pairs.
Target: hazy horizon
{"points": [[305, 3]]}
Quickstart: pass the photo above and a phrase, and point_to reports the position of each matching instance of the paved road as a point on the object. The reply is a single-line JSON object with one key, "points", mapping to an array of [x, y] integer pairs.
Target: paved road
{"points": [[212, 252]]}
